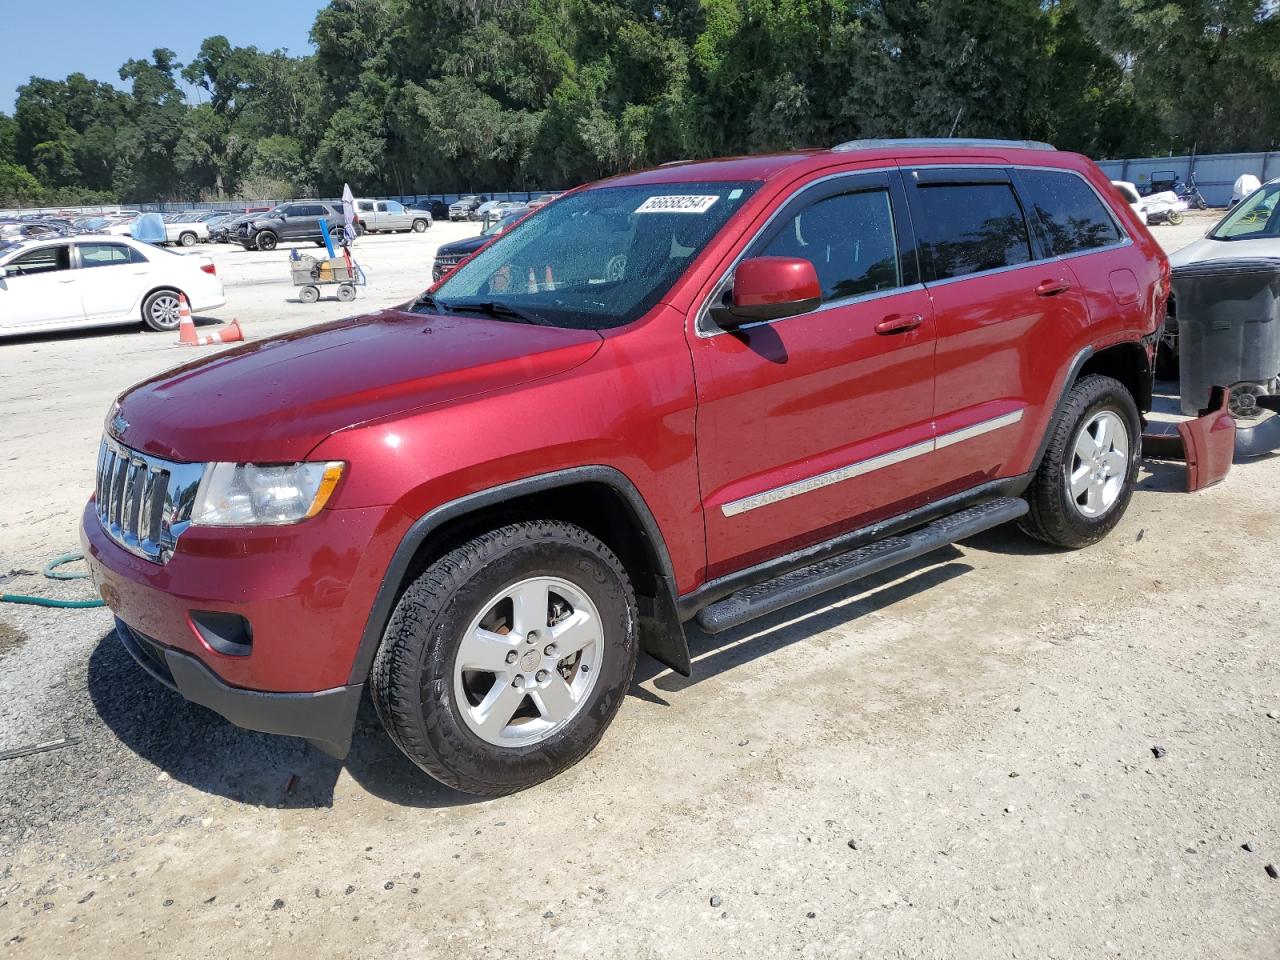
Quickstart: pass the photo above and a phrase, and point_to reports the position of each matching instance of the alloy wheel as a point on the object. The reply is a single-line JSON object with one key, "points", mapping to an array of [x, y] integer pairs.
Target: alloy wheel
{"points": [[1099, 464], [165, 310], [528, 662]]}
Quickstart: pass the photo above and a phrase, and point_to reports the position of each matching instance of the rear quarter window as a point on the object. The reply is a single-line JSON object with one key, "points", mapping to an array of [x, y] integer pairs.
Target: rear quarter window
{"points": [[972, 227], [1072, 215]]}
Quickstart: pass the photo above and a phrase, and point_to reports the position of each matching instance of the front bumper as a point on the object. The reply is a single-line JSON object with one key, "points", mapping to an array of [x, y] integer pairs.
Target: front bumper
{"points": [[305, 591], [326, 718]]}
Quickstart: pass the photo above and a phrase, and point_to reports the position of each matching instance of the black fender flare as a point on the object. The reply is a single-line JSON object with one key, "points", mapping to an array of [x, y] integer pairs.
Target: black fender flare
{"points": [[1073, 372], [661, 630]]}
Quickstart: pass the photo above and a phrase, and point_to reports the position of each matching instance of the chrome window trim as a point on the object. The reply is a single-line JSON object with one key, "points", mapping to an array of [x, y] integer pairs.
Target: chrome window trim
{"points": [[862, 467], [705, 328]]}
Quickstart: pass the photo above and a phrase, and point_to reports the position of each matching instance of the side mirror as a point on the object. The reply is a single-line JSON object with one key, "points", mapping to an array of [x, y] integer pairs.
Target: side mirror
{"points": [[770, 288]]}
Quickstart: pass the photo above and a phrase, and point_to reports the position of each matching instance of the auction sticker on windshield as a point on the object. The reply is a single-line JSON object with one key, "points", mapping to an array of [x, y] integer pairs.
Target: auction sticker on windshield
{"points": [[677, 204]]}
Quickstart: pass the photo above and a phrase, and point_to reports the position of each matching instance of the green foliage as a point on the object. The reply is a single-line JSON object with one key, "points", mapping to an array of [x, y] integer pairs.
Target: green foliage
{"points": [[412, 96]]}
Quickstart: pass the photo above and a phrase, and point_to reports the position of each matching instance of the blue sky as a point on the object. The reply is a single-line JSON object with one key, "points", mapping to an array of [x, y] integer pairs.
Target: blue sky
{"points": [[52, 38]]}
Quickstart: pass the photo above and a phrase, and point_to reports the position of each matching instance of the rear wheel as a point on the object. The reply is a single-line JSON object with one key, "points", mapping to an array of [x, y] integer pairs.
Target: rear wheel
{"points": [[507, 658], [346, 293], [1086, 478], [309, 294], [1175, 217], [187, 239], [160, 311], [267, 240]]}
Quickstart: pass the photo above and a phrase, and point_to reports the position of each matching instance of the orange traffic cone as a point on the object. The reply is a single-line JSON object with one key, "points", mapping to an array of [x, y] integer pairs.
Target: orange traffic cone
{"points": [[230, 334], [186, 326], [550, 284], [187, 329]]}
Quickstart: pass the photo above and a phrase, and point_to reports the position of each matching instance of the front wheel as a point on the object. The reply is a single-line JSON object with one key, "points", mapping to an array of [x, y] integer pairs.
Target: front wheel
{"points": [[420, 226], [267, 240], [504, 662], [346, 293], [1086, 477], [1175, 217], [309, 294]]}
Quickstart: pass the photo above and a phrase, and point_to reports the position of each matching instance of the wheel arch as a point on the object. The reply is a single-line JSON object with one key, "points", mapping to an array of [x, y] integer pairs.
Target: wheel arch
{"points": [[600, 499], [1127, 362], [141, 305]]}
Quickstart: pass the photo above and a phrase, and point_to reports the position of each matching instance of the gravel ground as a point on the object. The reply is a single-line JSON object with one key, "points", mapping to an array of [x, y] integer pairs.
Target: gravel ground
{"points": [[1001, 751]]}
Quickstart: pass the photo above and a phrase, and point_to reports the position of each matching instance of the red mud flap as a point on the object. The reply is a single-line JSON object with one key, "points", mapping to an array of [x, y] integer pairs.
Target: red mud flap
{"points": [[1207, 444]]}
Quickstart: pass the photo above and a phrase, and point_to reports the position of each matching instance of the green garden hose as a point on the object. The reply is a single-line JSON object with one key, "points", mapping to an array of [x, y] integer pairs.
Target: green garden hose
{"points": [[53, 573]]}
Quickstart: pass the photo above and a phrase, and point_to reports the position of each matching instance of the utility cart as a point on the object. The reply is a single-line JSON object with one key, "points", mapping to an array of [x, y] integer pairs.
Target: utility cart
{"points": [[310, 274]]}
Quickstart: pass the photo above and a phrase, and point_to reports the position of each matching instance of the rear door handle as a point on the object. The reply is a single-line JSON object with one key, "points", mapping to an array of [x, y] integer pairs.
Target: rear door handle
{"points": [[1051, 288], [899, 323]]}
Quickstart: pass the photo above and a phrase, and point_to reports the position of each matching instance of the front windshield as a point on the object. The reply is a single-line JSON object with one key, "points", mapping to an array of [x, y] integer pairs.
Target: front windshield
{"points": [[1255, 217], [595, 259]]}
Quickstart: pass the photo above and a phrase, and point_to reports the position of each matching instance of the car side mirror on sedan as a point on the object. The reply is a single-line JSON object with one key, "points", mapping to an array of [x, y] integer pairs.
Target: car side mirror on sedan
{"points": [[769, 288]]}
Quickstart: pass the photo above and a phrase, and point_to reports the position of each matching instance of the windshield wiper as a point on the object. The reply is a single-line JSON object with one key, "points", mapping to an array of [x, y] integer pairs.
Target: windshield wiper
{"points": [[496, 309], [428, 301]]}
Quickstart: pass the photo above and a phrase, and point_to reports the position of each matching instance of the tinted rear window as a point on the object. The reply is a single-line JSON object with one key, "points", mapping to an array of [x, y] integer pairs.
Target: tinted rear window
{"points": [[972, 227], [1070, 211]]}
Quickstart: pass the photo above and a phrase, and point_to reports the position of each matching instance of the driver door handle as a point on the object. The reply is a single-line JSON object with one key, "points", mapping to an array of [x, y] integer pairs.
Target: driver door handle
{"points": [[899, 323], [1051, 288]]}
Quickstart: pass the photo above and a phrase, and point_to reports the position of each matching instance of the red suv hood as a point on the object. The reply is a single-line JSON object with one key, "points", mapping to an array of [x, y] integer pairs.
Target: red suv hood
{"points": [[273, 400]]}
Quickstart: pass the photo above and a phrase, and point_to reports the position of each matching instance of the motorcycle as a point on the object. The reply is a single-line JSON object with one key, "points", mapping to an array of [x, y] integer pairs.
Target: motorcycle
{"points": [[1168, 181]]}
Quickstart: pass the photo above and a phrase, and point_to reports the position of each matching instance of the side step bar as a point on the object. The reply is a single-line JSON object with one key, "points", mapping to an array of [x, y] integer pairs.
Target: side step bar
{"points": [[805, 582]]}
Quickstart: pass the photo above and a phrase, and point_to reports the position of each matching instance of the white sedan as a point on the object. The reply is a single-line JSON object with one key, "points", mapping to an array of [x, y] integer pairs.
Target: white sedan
{"points": [[86, 281]]}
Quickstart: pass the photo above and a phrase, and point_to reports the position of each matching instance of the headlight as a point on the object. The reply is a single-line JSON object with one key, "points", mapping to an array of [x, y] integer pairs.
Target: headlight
{"points": [[248, 495]]}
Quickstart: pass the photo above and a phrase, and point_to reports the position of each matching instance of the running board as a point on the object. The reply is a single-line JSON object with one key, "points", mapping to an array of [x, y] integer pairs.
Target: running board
{"points": [[805, 582]]}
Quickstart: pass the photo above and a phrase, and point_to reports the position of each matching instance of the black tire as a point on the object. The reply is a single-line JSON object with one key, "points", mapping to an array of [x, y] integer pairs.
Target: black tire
{"points": [[267, 240], [187, 239], [1053, 517], [420, 226], [309, 294], [159, 310], [412, 682], [346, 293]]}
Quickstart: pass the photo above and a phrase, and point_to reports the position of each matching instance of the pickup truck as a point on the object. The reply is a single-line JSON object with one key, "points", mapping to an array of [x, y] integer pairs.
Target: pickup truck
{"points": [[390, 216]]}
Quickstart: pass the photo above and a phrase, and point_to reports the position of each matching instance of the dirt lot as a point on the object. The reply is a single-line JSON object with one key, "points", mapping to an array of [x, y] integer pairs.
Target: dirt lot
{"points": [[956, 761]]}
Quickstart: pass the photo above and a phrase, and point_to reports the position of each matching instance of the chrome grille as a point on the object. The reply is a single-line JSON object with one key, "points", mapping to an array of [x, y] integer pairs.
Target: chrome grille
{"points": [[143, 502], [446, 263]]}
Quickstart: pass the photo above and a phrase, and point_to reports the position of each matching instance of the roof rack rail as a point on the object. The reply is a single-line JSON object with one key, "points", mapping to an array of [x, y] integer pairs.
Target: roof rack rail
{"points": [[941, 142]]}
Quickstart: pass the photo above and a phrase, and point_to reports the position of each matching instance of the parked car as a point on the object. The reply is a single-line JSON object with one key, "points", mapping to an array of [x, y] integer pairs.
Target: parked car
{"points": [[449, 255], [701, 392], [226, 229], [293, 222], [494, 210], [542, 200], [87, 281], [465, 207], [390, 216], [438, 209], [184, 229]]}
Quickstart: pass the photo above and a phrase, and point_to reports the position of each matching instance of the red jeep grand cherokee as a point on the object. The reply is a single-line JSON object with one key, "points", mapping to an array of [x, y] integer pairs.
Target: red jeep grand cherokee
{"points": [[702, 392]]}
